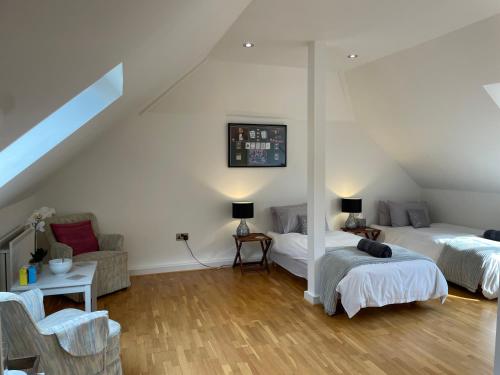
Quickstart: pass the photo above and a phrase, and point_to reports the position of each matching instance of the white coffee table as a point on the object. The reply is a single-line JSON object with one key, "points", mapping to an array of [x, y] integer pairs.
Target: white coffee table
{"points": [[80, 279]]}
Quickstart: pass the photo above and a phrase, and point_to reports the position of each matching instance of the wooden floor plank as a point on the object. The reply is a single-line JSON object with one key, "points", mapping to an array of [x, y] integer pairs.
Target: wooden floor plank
{"points": [[222, 322]]}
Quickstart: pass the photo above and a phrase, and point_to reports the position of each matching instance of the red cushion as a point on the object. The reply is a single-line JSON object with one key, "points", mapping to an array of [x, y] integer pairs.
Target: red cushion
{"points": [[79, 236]]}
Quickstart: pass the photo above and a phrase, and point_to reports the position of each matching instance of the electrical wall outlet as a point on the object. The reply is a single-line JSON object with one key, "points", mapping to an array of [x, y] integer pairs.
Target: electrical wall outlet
{"points": [[182, 236]]}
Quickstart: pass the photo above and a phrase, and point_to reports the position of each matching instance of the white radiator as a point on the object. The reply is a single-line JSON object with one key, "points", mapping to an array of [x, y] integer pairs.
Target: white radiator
{"points": [[15, 249]]}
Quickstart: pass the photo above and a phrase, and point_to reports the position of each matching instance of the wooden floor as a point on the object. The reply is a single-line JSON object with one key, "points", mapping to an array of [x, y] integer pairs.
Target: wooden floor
{"points": [[220, 322]]}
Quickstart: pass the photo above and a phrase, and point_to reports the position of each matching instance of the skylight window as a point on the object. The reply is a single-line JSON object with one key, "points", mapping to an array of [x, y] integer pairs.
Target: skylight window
{"points": [[493, 90], [58, 126]]}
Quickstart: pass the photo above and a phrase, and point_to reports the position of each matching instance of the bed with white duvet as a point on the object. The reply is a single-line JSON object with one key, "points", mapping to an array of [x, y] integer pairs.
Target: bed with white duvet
{"points": [[430, 242], [372, 285]]}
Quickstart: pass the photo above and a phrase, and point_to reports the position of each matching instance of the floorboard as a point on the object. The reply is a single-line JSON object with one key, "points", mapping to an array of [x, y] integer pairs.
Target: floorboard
{"points": [[222, 322]]}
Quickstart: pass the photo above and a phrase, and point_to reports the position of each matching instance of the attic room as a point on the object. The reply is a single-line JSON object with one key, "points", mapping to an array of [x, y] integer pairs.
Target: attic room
{"points": [[249, 187]]}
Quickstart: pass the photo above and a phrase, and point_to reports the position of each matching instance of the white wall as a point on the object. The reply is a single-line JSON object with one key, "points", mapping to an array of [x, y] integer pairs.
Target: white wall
{"points": [[166, 171], [157, 41], [356, 166], [16, 214], [426, 106], [468, 208]]}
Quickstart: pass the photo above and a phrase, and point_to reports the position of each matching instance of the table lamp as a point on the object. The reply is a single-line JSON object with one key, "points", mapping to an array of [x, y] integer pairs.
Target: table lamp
{"points": [[351, 206], [242, 210]]}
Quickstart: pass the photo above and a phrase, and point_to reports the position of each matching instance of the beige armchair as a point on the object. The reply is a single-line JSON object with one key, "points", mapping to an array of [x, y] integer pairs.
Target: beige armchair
{"points": [[112, 261], [69, 341]]}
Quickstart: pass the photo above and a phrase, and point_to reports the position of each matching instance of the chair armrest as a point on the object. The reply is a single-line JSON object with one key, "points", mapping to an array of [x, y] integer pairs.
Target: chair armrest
{"points": [[83, 335], [60, 250], [110, 242], [33, 301]]}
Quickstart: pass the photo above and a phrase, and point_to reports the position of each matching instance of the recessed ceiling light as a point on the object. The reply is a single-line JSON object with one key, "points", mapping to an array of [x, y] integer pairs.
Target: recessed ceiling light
{"points": [[248, 44], [352, 56]]}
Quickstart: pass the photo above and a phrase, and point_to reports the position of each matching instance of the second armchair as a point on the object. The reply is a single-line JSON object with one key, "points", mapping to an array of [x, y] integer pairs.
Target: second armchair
{"points": [[112, 261]]}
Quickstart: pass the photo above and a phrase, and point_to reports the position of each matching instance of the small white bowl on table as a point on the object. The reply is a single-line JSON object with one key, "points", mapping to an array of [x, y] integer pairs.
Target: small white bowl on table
{"points": [[60, 266]]}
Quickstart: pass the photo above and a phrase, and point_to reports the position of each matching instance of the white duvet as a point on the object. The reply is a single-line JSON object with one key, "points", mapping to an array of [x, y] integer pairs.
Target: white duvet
{"points": [[371, 285], [430, 242]]}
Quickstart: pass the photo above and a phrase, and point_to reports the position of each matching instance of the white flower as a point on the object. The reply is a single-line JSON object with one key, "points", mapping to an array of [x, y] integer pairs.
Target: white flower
{"points": [[40, 226], [36, 218], [46, 212]]}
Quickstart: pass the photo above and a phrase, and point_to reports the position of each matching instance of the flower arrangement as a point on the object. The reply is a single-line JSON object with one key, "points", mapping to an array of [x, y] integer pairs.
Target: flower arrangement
{"points": [[36, 221], [38, 255]]}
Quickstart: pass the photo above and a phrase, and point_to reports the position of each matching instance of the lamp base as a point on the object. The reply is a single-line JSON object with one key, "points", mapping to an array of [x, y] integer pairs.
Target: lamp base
{"points": [[351, 222], [242, 229]]}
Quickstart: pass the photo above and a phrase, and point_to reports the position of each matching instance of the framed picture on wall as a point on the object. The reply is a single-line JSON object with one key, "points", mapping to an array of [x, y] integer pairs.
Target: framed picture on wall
{"points": [[256, 145]]}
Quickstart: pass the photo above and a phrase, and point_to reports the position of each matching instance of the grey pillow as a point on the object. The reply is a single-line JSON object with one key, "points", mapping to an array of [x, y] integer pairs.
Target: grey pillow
{"points": [[303, 224], [285, 218], [384, 215], [419, 218], [399, 212]]}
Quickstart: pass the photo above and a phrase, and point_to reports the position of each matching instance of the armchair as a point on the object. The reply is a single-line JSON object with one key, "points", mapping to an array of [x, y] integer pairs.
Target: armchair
{"points": [[112, 261], [69, 341]]}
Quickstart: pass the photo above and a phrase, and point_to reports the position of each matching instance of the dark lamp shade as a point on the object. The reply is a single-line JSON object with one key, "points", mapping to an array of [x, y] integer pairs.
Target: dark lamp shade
{"points": [[351, 205], [242, 210]]}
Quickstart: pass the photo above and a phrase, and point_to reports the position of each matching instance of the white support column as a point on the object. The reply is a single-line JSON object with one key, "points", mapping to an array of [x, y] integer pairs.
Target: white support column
{"points": [[496, 368], [316, 117]]}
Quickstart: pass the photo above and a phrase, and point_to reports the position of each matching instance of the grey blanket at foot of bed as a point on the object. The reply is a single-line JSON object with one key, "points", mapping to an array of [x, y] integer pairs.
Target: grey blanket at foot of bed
{"points": [[463, 259], [337, 262]]}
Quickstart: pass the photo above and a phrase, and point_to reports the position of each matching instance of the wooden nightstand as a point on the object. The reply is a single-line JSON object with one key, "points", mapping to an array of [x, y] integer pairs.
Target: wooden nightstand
{"points": [[265, 243], [370, 233]]}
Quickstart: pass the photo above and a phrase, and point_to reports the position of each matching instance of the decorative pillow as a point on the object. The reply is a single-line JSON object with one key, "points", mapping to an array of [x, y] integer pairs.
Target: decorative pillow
{"points": [[303, 224], [79, 236], [384, 215], [492, 234], [419, 218], [289, 218], [276, 222], [285, 218], [399, 212]]}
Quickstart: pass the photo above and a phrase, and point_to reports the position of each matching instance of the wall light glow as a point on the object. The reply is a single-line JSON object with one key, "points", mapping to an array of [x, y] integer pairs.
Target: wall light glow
{"points": [[59, 125]]}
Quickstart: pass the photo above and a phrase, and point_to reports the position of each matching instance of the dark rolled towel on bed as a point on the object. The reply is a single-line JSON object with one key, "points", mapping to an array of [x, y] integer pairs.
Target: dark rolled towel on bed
{"points": [[375, 249], [492, 234]]}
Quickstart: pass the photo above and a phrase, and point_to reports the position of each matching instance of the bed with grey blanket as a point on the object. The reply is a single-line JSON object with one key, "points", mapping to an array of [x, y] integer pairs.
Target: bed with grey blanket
{"points": [[337, 262], [463, 259]]}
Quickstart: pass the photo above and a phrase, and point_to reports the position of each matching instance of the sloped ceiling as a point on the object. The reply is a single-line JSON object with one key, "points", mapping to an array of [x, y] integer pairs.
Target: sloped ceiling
{"points": [[51, 50], [372, 29], [427, 108]]}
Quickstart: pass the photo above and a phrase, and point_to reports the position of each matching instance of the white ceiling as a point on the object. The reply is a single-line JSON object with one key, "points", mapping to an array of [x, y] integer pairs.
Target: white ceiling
{"points": [[370, 28], [51, 50]]}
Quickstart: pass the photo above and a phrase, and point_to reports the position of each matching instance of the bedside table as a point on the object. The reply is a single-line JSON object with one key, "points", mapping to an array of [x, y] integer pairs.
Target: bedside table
{"points": [[370, 233], [265, 243]]}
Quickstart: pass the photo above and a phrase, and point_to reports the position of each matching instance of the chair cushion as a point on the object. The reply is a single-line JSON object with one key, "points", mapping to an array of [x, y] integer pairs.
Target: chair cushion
{"points": [[79, 236], [103, 257], [58, 317], [45, 325]]}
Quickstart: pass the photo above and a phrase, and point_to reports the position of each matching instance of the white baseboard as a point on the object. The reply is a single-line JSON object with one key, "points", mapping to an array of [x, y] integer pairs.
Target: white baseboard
{"points": [[184, 266], [311, 298]]}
